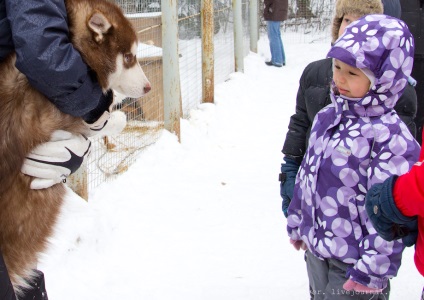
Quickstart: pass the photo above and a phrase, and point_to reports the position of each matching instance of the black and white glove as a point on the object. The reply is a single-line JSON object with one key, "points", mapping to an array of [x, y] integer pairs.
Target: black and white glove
{"points": [[103, 121], [52, 162]]}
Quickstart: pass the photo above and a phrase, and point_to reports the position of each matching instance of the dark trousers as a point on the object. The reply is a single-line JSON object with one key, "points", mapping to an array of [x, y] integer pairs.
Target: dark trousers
{"points": [[6, 288], [326, 279], [36, 291]]}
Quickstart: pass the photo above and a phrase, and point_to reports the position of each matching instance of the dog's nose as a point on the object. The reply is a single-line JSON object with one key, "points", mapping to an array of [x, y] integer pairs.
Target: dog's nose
{"points": [[147, 88]]}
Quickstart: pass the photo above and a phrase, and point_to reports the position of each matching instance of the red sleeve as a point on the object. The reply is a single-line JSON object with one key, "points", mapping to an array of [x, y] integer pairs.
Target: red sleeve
{"points": [[408, 191]]}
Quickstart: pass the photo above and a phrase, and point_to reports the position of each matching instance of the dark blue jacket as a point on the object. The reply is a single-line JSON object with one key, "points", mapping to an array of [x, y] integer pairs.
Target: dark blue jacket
{"points": [[37, 31]]}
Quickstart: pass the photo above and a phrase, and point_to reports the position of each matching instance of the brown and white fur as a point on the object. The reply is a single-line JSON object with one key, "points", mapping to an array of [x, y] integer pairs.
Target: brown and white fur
{"points": [[108, 44]]}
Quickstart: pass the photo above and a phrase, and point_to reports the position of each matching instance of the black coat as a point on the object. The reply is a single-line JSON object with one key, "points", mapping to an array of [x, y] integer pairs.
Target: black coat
{"points": [[414, 18], [392, 8], [276, 10], [314, 94]]}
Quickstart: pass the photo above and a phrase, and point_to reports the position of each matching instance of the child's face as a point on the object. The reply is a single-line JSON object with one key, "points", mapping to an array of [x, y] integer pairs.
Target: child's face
{"points": [[350, 81], [347, 19]]}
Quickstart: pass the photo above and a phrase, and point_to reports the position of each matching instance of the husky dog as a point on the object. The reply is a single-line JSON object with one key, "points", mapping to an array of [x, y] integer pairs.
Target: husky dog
{"points": [[108, 44]]}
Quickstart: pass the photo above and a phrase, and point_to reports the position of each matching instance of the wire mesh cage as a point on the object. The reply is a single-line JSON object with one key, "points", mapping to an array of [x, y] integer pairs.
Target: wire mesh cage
{"points": [[113, 155]]}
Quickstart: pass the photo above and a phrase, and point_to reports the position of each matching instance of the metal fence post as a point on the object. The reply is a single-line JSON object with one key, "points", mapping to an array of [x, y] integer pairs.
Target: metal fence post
{"points": [[207, 17], [238, 35], [78, 181], [254, 26], [171, 73]]}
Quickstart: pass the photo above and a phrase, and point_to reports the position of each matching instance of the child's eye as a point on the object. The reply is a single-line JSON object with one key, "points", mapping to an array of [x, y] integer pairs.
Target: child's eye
{"points": [[354, 74]]}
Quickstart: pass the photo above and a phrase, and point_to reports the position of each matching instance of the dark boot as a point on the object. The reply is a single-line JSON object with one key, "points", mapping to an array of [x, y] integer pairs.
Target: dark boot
{"points": [[6, 288], [37, 291]]}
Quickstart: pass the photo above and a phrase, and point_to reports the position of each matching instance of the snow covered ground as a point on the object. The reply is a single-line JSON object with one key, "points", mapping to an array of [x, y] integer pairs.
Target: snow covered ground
{"points": [[200, 219]]}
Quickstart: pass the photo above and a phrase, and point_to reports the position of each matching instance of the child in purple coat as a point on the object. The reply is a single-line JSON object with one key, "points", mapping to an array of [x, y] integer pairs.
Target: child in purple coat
{"points": [[355, 142]]}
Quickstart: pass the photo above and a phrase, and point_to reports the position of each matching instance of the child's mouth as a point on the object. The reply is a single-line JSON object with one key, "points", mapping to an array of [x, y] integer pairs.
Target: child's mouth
{"points": [[343, 91]]}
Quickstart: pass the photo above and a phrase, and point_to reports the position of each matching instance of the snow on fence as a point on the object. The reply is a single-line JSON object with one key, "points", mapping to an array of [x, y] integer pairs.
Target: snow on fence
{"points": [[231, 40]]}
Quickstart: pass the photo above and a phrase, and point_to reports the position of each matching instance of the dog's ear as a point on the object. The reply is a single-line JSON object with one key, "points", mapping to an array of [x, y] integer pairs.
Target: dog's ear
{"points": [[100, 25]]}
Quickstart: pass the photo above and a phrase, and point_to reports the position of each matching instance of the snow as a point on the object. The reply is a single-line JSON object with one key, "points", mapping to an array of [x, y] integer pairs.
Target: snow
{"points": [[143, 15], [146, 50], [200, 219]]}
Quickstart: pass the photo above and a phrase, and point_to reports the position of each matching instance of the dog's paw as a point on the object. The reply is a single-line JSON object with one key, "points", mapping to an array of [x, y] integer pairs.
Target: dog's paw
{"points": [[116, 123]]}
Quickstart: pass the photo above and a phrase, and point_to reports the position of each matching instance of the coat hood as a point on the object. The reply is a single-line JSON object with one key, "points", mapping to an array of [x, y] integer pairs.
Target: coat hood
{"points": [[385, 46]]}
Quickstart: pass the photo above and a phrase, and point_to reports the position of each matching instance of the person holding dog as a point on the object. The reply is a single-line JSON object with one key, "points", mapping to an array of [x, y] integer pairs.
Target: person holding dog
{"points": [[314, 94], [37, 32], [356, 141]]}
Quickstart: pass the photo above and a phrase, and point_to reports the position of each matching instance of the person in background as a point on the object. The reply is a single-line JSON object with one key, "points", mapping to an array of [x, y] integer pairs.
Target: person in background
{"points": [[275, 11], [314, 94], [37, 32], [413, 16], [356, 141]]}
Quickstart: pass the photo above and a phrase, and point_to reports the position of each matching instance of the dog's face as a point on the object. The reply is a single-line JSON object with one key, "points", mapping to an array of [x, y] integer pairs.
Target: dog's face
{"points": [[108, 44]]}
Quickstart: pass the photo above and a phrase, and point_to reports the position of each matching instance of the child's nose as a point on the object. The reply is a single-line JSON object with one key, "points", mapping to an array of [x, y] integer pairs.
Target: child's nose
{"points": [[339, 79]]}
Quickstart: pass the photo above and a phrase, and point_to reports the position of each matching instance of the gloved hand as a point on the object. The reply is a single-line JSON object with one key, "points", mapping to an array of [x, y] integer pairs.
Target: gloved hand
{"points": [[298, 244], [109, 123], [386, 218], [351, 285], [52, 162], [102, 120], [287, 178]]}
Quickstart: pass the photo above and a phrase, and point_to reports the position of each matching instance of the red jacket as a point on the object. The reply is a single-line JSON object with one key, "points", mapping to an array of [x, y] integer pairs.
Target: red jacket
{"points": [[408, 193]]}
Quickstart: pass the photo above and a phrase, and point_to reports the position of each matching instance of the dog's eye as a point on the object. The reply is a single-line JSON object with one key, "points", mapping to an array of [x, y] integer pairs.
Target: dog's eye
{"points": [[128, 58]]}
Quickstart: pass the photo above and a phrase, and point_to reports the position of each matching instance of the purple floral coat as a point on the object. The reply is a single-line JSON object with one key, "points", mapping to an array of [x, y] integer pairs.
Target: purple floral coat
{"points": [[355, 143]]}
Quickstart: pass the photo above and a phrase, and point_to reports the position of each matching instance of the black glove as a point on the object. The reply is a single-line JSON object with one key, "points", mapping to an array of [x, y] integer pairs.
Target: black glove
{"points": [[386, 218], [287, 178], [105, 103]]}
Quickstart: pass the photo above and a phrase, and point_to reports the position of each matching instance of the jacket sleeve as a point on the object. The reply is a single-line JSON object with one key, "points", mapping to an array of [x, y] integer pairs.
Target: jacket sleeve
{"points": [[48, 59], [380, 259], [296, 137]]}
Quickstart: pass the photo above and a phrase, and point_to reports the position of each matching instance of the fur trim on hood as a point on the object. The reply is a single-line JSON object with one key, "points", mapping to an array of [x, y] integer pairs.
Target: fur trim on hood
{"points": [[354, 7]]}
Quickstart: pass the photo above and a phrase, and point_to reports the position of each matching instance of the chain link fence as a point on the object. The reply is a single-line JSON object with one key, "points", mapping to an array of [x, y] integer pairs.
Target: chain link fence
{"points": [[308, 20]]}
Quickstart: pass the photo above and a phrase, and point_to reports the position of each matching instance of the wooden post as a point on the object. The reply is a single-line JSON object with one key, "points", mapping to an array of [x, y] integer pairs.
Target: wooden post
{"points": [[238, 36], [207, 17], [254, 26], [171, 73]]}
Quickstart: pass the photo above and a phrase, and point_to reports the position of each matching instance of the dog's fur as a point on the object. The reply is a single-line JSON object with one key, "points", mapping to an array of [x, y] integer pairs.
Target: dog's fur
{"points": [[108, 44]]}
